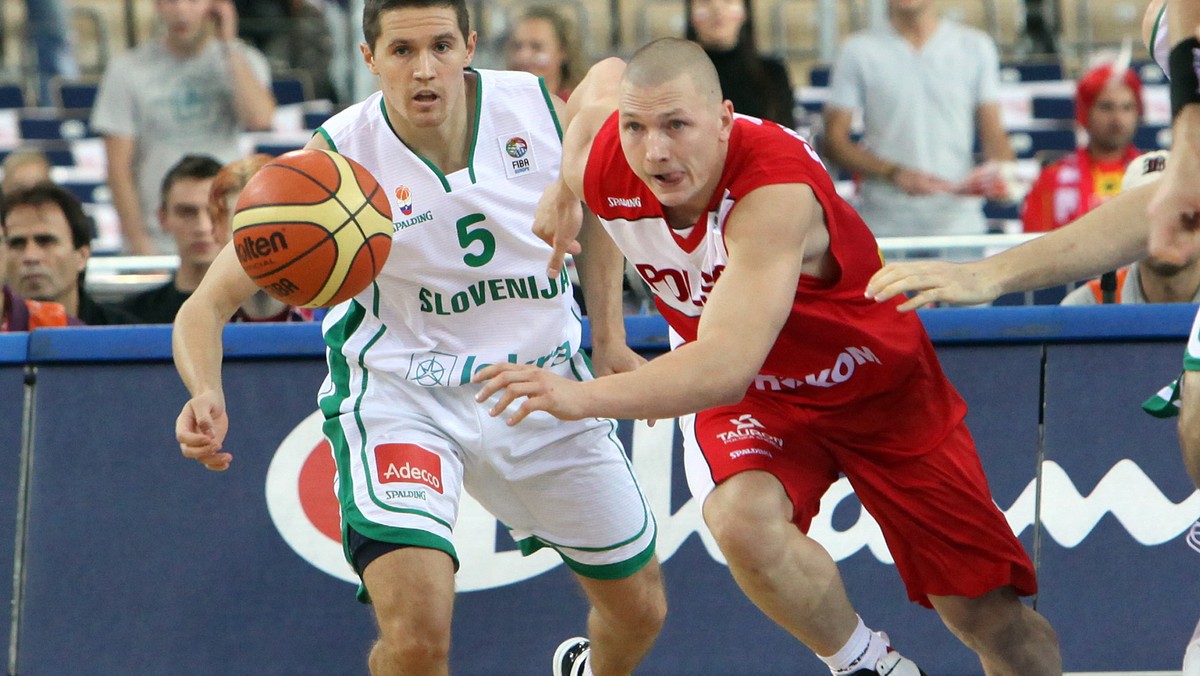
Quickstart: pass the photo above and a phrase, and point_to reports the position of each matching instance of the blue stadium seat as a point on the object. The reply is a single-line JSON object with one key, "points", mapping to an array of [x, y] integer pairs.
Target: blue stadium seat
{"points": [[58, 152], [1054, 107], [288, 90], [1152, 137], [316, 118], [1001, 210], [1149, 71], [1027, 142], [37, 124], [12, 96], [88, 192], [274, 149], [1018, 71], [75, 94], [818, 76]]}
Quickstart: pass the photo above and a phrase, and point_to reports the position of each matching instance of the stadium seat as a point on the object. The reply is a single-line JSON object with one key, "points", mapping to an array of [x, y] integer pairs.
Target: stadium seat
{"points": [[1152, 137], [88, 192], [1149, 71], [12, 95], [42, 124], [274, 149], [73, 94], [1044, 71], [1054, 107], [291, 87], [1002, 211], [818, 76], [1027, 142]]}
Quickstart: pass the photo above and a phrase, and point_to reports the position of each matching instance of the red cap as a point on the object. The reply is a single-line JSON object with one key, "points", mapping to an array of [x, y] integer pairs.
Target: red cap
{"points": [[1093, 82]]}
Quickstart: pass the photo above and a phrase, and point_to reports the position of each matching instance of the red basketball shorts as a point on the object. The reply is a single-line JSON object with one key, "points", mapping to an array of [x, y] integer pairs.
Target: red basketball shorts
{"points": [[926, 489]]}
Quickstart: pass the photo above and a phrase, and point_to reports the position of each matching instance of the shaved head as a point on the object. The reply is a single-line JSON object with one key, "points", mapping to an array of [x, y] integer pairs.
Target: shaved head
{"points": [[666, 59]]}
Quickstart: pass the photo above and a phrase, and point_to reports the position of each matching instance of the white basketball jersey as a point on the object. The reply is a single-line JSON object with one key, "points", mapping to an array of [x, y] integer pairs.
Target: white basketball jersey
{"points": [[465, 284]]}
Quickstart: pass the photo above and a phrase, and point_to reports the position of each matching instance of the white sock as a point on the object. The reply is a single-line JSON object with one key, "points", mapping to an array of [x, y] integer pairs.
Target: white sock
{"points": [[862, 650]]}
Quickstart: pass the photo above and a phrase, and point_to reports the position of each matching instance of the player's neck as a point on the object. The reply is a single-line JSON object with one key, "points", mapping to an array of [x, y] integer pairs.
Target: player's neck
{"points": [[447, 146], [915, 27]]}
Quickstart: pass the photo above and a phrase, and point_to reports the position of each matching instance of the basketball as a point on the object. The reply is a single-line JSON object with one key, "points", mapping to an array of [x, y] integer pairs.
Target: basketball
{"points": [[312, 228]]}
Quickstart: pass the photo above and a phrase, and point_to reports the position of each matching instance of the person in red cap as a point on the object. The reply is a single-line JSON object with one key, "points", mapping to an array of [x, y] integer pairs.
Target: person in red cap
{"points": [[1108, 106]]}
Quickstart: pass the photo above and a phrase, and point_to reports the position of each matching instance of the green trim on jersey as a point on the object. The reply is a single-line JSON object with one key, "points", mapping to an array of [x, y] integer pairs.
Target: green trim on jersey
{"points": [[327, 137], [1165, 402], [474, 135], [550, 105], [1158, 21], [409, 537], [339, 374]]}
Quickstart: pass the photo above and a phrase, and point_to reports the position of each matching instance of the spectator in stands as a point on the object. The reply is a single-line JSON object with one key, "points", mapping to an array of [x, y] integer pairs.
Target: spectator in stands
{"points": [[925, 86], [1151, 279], [757, 85], [542, 42], [49, 242], [183, 212], [48, 24], [16, 313], [24, 167], [222, 198], [294, 35], [193, 90], [1108, 105]]}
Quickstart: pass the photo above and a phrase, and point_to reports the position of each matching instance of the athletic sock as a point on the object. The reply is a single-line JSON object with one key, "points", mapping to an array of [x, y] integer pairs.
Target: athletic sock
{"points": [[863, 649]]}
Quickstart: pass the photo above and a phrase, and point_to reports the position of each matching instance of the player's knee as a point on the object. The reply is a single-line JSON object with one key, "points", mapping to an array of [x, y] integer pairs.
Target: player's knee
{"points": [[642, 608], [989, 623], [745, 523], [413, 645]]}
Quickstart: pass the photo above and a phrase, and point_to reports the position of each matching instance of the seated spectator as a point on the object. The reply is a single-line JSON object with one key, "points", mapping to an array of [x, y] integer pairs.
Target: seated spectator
{"points": [[24, 167], [222, 198], [757, 86], [193, 90], [49, 242], [1108, 106], [1149, 280], [16, 313], [541, 42], [184, 214]]}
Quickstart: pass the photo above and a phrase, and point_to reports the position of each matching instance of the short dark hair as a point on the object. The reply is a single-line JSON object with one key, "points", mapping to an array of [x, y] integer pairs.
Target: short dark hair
{"points": [[194, 167], [372, 9], [48, 193]]}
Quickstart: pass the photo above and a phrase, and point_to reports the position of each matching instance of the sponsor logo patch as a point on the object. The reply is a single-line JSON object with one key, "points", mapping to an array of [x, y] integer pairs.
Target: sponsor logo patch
{"points": [[408, 463]]}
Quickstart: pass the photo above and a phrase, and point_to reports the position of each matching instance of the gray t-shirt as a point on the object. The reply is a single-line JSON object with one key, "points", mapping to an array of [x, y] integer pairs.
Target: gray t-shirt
{"points": [[919, 109], [171, 107]]}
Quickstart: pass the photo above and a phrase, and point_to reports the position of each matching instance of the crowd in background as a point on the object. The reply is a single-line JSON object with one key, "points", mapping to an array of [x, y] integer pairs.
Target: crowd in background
{"points": [[921, 87]]}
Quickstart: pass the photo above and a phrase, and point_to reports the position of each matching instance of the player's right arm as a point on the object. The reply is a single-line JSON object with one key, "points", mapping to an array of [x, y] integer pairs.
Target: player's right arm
{"points": [[1103, 239], [557, 219], [197, 349]]}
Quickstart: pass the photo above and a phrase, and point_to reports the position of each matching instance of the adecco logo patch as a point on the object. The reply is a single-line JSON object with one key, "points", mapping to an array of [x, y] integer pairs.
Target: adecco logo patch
{"points": [[301, 498]]}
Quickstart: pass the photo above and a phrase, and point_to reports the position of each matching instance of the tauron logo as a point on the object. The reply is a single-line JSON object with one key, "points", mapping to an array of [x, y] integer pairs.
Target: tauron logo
{"points": [[746, 422], [408, 463]]}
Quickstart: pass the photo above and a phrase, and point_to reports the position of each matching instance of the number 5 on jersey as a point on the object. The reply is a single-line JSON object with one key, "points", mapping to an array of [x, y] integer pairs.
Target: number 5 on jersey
{"points": [[467, 237]]}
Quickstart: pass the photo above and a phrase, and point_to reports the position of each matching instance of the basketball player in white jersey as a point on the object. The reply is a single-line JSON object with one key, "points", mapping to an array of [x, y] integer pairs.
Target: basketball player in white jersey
{"points": [[466, 154]]}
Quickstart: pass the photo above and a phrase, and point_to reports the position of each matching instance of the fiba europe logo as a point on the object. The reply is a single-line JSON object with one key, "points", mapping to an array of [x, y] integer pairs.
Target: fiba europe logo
{"points": [[516, 147], [404, 200], [302, 504]]}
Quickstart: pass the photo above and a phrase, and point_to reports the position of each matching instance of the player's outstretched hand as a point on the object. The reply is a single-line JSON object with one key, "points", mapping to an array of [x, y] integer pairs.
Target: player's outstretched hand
{"points": [[543, 391], [556, 222], [1174, 212], [200, 430], [933, 282]]}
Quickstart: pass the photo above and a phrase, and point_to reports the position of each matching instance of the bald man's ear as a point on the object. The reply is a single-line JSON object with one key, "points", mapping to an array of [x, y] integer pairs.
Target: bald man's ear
{"points": [[726, 119]]}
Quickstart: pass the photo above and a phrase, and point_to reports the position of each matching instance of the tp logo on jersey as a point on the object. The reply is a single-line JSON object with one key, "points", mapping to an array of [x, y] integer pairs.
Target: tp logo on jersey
{"points": [[404, 200], [517, 154]]}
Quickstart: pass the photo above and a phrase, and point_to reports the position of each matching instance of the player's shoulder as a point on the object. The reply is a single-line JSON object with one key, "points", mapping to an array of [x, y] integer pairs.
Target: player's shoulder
{"points": [[353, 117], [508, 80]]}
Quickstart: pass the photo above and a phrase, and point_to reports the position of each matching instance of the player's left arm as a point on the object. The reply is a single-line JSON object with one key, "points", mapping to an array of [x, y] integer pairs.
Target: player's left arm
{"points": [[766, 237]]}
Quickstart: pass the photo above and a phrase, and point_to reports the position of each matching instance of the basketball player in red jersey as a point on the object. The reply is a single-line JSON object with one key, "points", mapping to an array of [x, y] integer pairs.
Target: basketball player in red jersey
{"points": [[759, 267]]}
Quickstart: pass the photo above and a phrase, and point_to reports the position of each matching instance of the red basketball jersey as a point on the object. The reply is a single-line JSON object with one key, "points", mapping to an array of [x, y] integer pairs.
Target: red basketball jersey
{"points": [[837, 348]]}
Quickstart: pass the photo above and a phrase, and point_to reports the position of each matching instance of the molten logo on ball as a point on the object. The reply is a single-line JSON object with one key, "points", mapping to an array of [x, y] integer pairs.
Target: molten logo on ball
{"points": [[251, 248]]}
